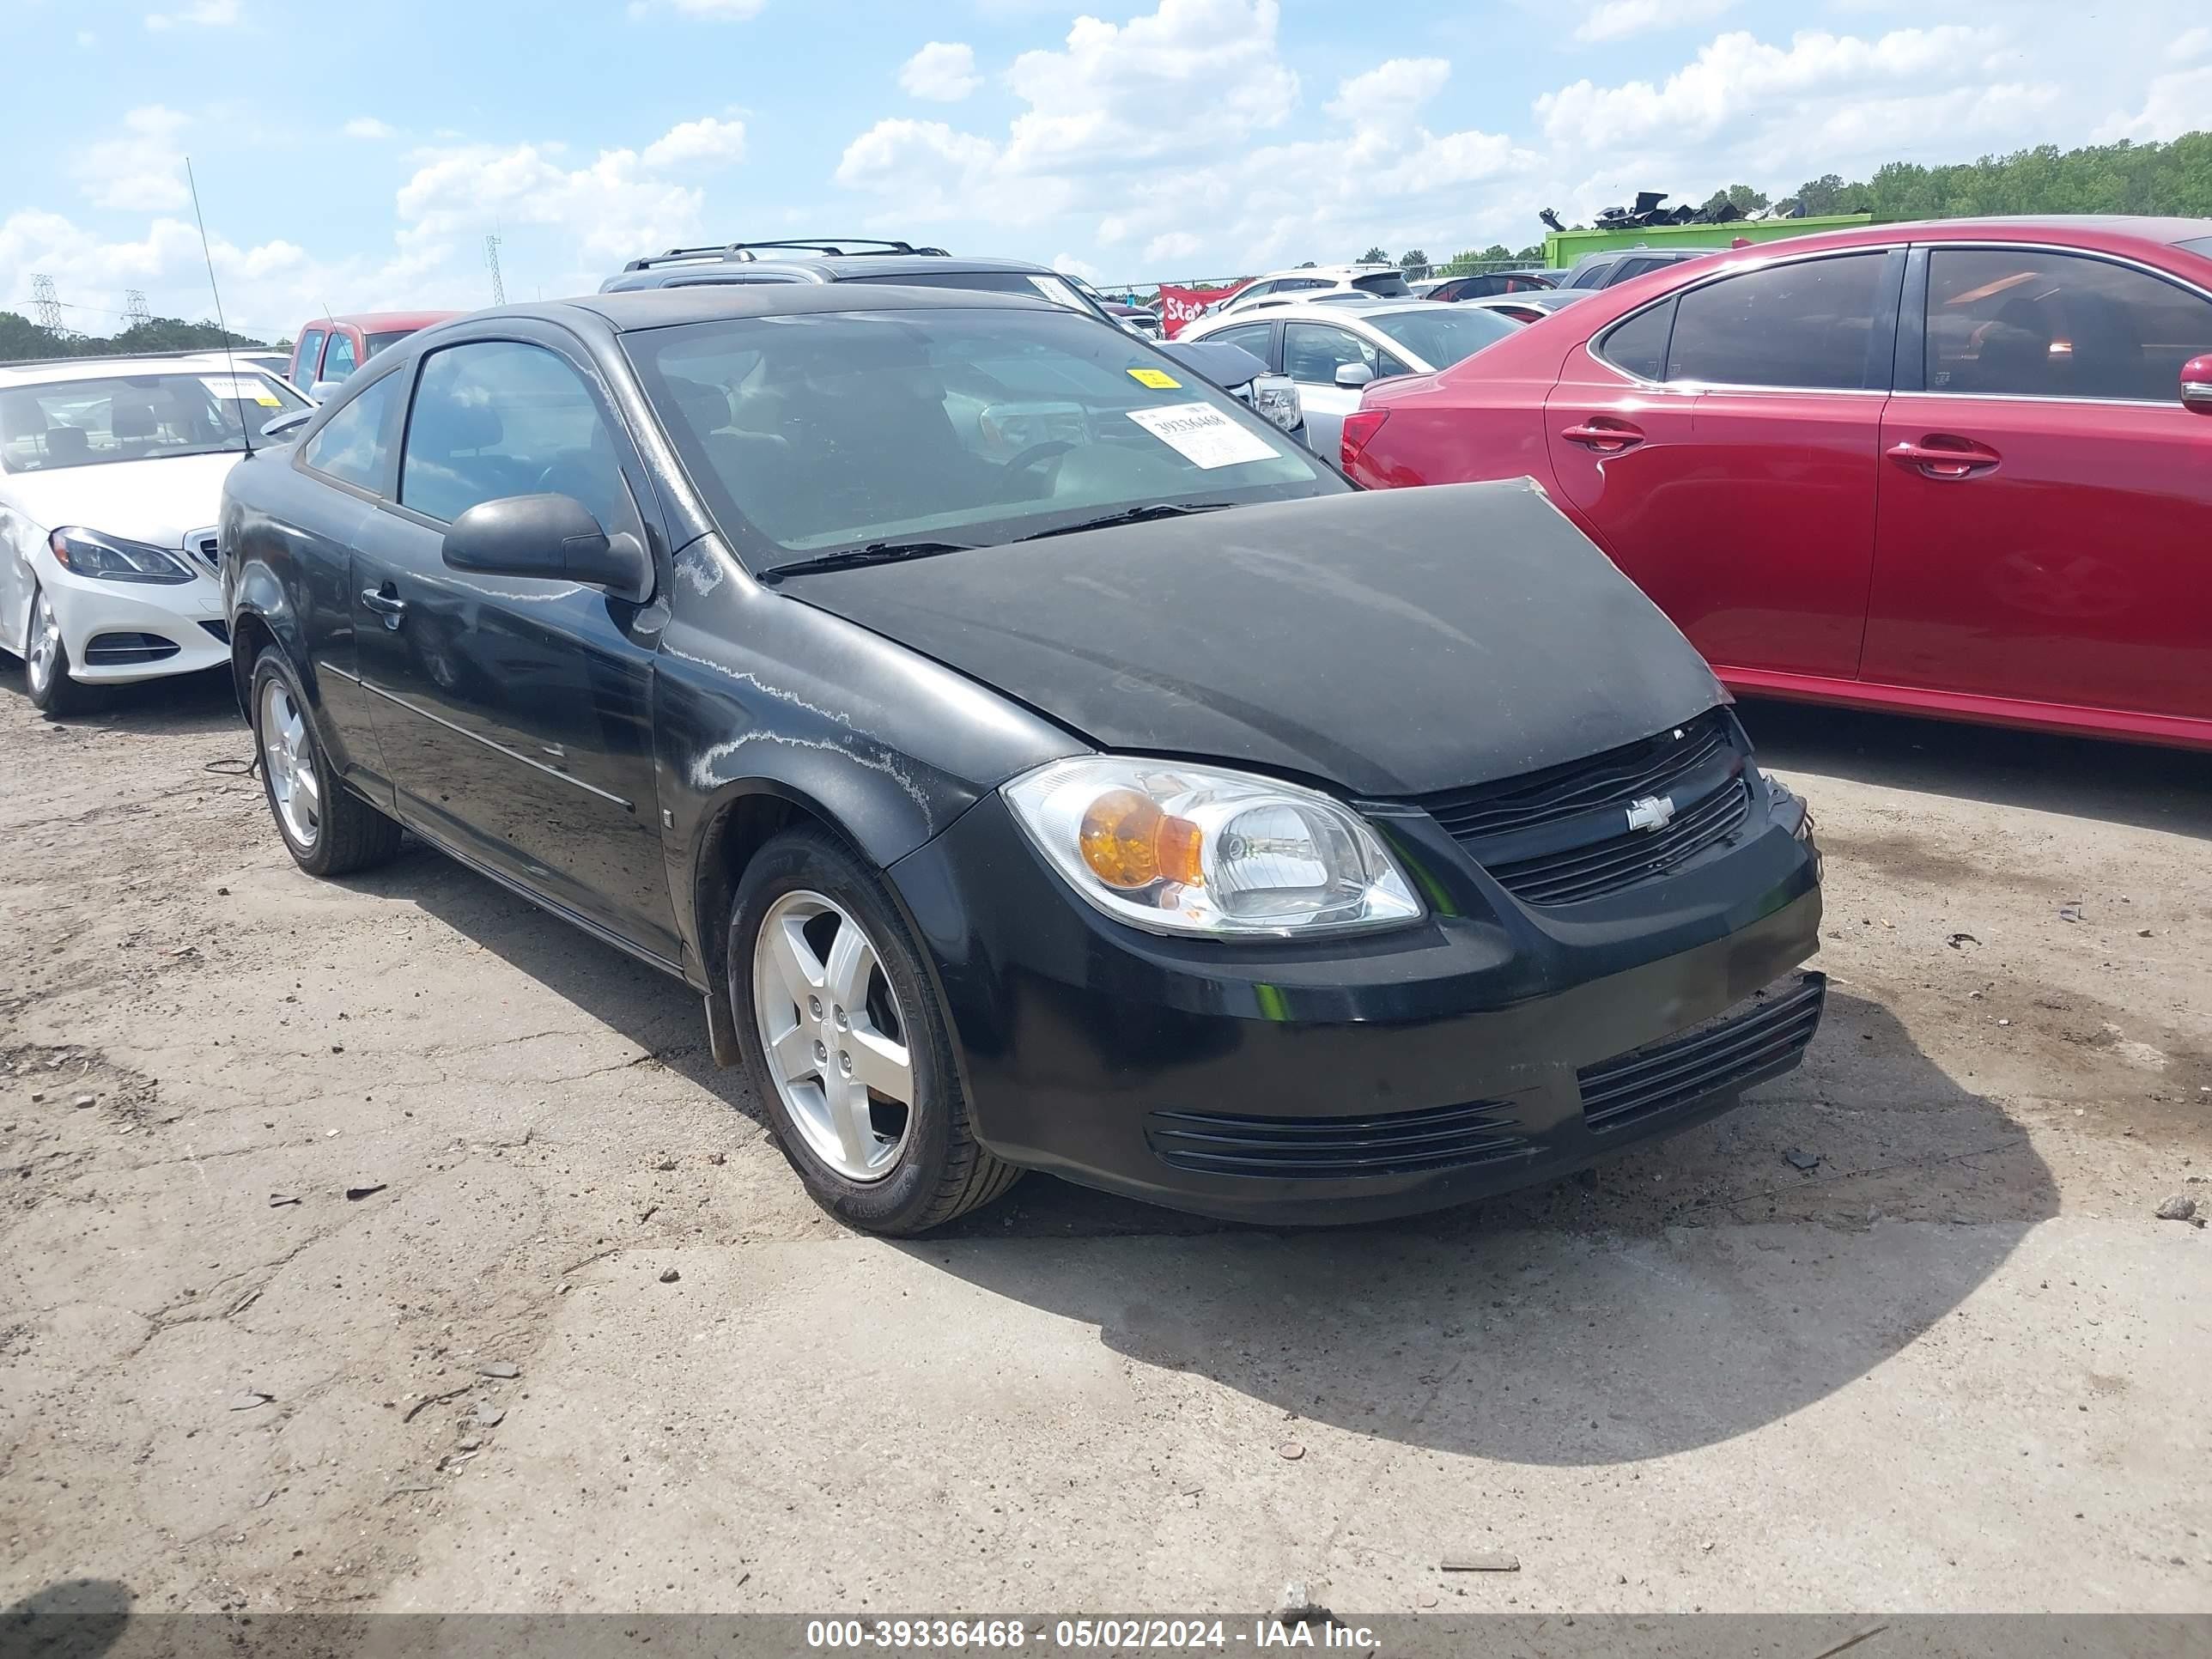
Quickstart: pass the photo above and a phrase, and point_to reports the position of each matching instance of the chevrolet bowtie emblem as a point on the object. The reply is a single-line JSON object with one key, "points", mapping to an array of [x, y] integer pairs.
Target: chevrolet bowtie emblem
{"points": [[1651, 812]]}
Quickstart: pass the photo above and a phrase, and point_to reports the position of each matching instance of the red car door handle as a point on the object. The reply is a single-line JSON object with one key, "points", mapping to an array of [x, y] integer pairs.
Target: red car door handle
{"points": [[1944, 457], [1609, 439]]}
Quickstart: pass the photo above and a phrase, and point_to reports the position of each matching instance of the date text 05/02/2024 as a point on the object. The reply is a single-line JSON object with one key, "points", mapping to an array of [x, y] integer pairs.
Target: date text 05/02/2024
{"points": [[1082, 1635]]}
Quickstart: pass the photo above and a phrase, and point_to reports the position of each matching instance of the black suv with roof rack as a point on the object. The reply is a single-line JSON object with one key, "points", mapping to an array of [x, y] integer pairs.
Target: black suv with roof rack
{"points": [[867, 260]]}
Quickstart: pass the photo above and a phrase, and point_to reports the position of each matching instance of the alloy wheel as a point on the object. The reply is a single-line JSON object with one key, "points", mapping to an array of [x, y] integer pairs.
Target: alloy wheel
{"points": [[46, 645], [833, 1034], [288, 757]]}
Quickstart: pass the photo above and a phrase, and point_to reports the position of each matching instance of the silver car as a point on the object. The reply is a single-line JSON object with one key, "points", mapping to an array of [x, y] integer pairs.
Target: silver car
{"points": [[1279, 288], [1332, 350]]}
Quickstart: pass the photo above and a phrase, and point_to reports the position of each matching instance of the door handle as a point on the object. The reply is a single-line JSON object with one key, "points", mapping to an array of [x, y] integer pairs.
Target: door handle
{"points": [[386, 603], [1942, 456], [1608, 439]]}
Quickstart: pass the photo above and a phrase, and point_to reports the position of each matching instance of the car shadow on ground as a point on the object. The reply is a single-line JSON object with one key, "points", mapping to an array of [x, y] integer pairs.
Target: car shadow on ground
{"points": [[1634, 1310], [185, 702], [74, 1619], [2153, 788]]}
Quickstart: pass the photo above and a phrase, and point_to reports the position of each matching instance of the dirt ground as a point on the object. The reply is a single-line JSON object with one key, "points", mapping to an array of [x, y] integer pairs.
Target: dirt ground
{"points": [[289, 1167]]}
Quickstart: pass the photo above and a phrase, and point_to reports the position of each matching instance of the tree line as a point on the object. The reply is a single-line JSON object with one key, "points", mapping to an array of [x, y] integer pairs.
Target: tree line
{"points": [[20, 338], [2165, 179]]}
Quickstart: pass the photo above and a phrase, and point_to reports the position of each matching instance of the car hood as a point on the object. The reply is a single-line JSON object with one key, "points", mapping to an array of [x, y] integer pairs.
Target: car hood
{"points": [[1389, 642], [157, 501]]}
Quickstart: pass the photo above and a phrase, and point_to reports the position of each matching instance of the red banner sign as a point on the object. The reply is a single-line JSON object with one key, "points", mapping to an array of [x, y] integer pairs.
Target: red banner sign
{"points": [[1180, 306]]}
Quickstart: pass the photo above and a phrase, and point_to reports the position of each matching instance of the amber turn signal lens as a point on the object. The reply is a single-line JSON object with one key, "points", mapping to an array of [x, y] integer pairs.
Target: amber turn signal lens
{"points": [[1129, 843]]}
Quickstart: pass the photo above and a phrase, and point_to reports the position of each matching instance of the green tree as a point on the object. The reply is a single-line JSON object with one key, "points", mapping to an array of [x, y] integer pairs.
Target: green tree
{"points": [[1412, 259], [1375, 256], [1822, 195]]}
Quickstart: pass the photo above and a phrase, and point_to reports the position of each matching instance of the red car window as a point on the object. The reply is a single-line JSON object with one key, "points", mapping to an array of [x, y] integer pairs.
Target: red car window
{"points": [[1806, 324], [2037, 323]]}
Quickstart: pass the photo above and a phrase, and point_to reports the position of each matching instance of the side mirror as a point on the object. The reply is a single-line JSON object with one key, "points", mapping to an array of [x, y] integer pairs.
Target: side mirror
{"points": [[2196, 385], [1353, 375], [552, 539], [321, 391], [281, 429]]}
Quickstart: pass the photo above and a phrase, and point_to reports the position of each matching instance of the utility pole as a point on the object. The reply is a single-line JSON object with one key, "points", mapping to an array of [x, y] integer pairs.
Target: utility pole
{"points": [[134, 309], [48, 304], [491, 264]]}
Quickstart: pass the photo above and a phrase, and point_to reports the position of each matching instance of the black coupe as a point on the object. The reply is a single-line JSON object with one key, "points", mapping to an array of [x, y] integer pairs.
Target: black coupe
{"points": [[1034, 759]]}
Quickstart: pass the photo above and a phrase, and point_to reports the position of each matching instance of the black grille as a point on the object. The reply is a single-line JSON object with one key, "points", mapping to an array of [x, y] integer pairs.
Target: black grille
{"points": [[1590, 871], [220, 629], [1754, 1039], [1335, 1148], [1561, 836], [111, 650]]}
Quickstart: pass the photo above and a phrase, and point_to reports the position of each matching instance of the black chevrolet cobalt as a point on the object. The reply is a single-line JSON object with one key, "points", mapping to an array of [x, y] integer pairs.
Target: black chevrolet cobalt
{"points": [[1033, 759]]}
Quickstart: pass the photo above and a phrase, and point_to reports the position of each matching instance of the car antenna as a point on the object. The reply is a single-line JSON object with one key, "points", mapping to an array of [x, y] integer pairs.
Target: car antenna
{"points": [[221, 327]]}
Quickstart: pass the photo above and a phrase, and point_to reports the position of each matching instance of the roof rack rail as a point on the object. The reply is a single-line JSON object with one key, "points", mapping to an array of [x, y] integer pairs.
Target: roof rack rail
{"points": [[833, 246]]}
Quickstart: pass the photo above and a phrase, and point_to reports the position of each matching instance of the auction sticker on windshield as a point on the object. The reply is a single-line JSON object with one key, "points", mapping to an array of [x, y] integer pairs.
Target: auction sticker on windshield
{"points": [[240, 391], [1158, 379], [1203, 436]]}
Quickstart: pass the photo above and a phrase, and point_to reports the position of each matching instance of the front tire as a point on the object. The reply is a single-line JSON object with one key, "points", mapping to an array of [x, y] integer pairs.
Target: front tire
{"points": [[47, 663], [837, 1020], [328, 829]]}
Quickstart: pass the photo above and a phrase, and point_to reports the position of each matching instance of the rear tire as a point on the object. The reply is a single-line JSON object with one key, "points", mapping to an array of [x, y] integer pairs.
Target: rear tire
{"points": [[328, 829], [813, 926], [47, 663]]}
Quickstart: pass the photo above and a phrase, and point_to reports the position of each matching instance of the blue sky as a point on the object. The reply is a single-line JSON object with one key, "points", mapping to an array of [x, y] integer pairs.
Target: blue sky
{"points": [[356, 156]]}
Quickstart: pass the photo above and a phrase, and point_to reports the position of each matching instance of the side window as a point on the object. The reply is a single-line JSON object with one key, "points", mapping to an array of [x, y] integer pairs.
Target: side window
{"points": [[338, 362], [311, 345], [1638, 344], [1254, 290], [1253, 337], [2034, 323], [497, 418], [355, 444], [1806, 324], [1315, 351]]}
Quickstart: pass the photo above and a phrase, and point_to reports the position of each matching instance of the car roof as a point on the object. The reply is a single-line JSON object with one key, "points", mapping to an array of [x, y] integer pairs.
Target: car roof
{"points": [[381, 320], [674, 271], [1341, 273], [105, 369], [1321, 310], [630, 309]]}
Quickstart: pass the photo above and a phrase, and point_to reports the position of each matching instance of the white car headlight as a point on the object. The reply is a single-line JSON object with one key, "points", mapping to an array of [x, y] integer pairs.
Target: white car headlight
{"points": [[115, 558], [1276, 397], [1179, 849]]}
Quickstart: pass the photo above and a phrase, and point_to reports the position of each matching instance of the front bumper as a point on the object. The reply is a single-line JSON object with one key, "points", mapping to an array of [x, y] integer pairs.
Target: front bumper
{"points": [[93, 612], [1493, 1046]]}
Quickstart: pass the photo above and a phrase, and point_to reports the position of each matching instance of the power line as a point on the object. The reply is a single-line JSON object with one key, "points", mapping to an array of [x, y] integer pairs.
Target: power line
{"points": [[491, 264], [48, 304]]}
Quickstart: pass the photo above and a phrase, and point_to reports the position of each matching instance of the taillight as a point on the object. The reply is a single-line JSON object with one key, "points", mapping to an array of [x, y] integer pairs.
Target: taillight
{"points": [[1359, 429]]}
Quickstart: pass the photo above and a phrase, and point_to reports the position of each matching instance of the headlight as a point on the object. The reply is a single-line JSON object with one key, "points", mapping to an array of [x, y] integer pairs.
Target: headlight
{"points": [[1195, 849], [1276, 397], [84, 552]]}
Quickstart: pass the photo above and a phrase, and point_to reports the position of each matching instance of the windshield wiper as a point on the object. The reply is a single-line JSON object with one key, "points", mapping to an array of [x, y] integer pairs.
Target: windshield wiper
{"points": [[1129, 515], [874, 553]]}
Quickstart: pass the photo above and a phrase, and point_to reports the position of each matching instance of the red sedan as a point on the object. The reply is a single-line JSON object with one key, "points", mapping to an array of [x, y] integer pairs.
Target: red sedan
{"points": [[1961, 469]]}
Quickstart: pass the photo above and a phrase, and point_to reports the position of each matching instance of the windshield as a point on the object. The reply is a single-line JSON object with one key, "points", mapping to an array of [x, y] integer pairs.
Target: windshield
{"points": [[2199, 245], [1440, 335], [135, 417], [822, 432], [1387, 285], [1032, 284]]}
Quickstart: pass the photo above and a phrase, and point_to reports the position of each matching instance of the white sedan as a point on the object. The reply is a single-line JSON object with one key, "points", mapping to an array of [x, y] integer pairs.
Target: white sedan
{"points": [[1333, 349], [110, 480]]}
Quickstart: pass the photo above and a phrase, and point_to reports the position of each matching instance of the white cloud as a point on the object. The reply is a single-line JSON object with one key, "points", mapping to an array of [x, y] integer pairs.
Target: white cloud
{"points": [[143, 169], [610, 209], [2175, 104], [367, 127], [943, 71], [1390, 93], [1616, 20], [1738, 76], [1172, 245], [1068, 265], [202, 14], [2190, 45], [704, 142]]}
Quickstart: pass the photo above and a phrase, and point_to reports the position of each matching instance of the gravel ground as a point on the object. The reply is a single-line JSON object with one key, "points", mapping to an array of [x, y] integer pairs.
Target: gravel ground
{"points": [[336, 1218]]}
